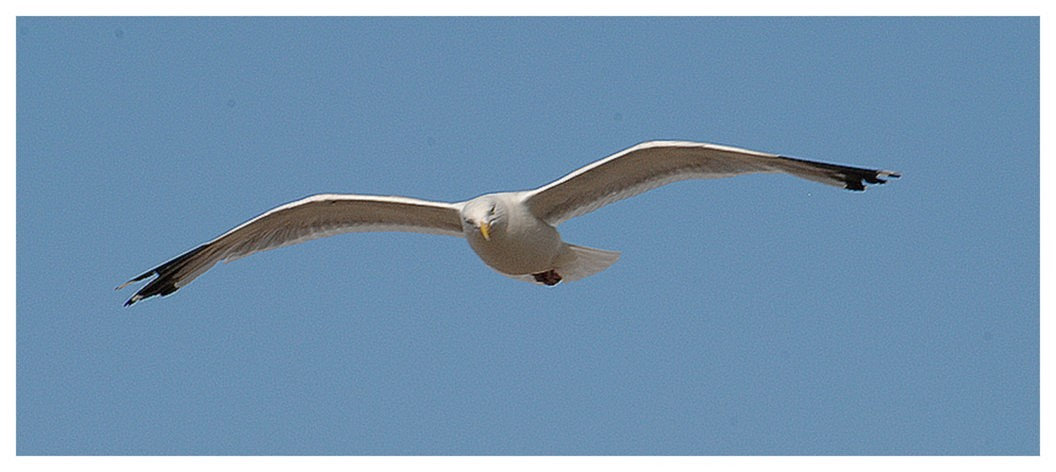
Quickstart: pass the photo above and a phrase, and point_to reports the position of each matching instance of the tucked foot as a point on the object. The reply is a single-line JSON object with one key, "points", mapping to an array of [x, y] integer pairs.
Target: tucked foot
{"points": [[549, 277]]}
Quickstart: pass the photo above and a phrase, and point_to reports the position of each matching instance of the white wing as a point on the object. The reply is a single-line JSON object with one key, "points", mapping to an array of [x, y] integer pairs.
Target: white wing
{"points": [[653, 164], [310, 218]]}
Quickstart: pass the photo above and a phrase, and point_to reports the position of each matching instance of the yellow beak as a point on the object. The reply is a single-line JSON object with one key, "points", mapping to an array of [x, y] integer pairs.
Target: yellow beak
{"points": [[485, 230]]}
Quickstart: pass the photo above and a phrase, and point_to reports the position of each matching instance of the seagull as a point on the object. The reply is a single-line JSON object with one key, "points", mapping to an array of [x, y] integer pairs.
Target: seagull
{"points": [[514, 233]]}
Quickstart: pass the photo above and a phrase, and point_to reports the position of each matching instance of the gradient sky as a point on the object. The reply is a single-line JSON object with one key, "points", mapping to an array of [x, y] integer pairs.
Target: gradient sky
{"points": [[754, 315]]}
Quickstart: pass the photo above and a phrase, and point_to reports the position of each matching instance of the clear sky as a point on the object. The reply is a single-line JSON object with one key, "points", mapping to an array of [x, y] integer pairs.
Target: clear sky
{"points": [[754, 315]]}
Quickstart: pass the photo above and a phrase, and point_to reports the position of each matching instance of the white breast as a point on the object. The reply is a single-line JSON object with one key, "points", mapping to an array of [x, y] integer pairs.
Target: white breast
{"points": [[526, 245]]}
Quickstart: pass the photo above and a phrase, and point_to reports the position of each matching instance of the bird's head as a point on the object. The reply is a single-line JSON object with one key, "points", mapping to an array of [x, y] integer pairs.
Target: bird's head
{"points": [[485, 215]]}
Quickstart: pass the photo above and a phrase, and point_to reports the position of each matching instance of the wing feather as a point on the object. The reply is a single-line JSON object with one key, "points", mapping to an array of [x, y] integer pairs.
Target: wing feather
{"points": [[652, 164], [310, 218]]}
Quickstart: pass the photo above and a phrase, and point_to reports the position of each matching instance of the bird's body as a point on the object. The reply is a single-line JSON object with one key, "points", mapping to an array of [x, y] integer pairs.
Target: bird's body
{"points": [[518, 242], [512, 232]]}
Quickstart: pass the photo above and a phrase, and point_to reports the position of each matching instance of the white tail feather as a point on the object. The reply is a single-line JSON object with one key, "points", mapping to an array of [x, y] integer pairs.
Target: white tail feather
{"points": [[580, 262]]}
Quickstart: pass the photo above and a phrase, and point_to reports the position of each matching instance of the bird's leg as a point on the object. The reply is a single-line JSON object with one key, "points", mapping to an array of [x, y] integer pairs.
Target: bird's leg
{"points": [[549, 277]]}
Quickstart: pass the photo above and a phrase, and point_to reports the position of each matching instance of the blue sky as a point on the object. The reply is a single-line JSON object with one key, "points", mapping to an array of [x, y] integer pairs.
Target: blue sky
{"points": [[754, 315]]}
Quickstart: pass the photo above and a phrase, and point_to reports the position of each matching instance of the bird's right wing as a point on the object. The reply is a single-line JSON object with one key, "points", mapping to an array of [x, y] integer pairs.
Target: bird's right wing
{"points": [[310, 218]]}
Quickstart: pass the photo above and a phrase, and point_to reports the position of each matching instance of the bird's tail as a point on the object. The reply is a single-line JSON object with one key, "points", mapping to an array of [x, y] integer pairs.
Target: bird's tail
{"points": [[580, 261]]}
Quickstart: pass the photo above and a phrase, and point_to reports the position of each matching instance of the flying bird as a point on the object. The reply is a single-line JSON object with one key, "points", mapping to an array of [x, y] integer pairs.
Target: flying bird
{"points": [[514, 233]]}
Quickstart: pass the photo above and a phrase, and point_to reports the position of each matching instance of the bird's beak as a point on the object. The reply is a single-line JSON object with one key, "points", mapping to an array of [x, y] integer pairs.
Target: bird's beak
{"points": [[485, 230]]}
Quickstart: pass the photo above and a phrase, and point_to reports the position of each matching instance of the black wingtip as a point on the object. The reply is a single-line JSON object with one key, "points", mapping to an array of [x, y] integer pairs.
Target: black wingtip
{"points": [[852, 178], [169, 274], [164, 285], [856, 180], [855, 185]]}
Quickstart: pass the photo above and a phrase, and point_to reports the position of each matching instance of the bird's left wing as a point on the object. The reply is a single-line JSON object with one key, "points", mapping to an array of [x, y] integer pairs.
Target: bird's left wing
{"points": [[310, 218], [655, 163]]}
